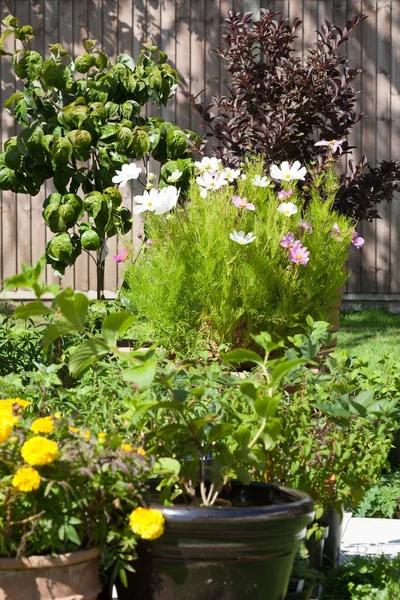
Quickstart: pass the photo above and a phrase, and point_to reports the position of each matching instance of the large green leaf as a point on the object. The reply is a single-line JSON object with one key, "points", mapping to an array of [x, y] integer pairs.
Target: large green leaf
{"points": [[24, 311], [30, 65], [243, 356], [142, 376], [53, 332], [74, 309], [115, 325], [86, 354]]}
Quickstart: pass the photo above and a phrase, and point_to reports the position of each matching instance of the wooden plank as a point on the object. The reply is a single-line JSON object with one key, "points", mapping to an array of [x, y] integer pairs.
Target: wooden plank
{"points": [[168, 44], [296, 10], [354, 55], [197, 55], [182, 62], [369, 136], [383, 133], [395, 145], [8, 241], [211, 66]]}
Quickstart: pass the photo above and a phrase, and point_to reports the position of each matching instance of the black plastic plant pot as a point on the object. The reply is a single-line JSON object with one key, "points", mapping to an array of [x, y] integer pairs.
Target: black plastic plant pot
{"points": [[241, 552]]}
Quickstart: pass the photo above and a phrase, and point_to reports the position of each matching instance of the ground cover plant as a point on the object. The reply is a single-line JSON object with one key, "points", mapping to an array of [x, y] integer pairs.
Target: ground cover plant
{"points": [[382, 500], [370, 334], [364, 578], [275, 104]]}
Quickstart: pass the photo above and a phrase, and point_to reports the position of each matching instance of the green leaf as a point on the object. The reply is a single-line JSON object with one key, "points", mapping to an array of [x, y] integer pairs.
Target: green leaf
{"points": [[56, 74], [53, 332], [72, 534], [249, 389], [11, 99], [266, 407], [115, 325], [86, 354], [141, 143], [177, 144], [74, 309], [283, 368], [243, 356], [142, 376], [24, 311], [29, 66], [219, 431], [167, 465], [126, 60]]}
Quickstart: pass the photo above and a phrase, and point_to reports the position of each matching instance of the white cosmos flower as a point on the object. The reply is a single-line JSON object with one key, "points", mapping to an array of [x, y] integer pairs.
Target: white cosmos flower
{"points": [[209, 164], [241, 238], [287, 208], [230, 174], [260, 181], [127, 172], [203, 193], [211, 180], [148, 201], [168, 198], [175, 176], [287, 172]]}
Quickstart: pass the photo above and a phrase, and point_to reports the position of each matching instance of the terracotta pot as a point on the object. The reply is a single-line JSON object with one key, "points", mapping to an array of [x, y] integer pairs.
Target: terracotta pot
{"points": [[72, 576]]}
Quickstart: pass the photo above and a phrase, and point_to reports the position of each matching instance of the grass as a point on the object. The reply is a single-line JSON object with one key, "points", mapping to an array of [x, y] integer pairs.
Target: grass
{"points": [[369, 334]]}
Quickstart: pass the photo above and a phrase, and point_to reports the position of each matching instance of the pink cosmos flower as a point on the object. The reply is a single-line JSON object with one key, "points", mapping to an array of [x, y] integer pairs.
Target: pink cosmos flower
{"points": [[287, 241], [333, 145], [306, 226], [283, 195], [357, 240], [242, 203], [121, 256], [299, 254]]}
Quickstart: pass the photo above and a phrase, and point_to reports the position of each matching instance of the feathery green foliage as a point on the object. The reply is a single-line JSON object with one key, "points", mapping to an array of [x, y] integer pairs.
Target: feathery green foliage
{"points": [[195, 287]]}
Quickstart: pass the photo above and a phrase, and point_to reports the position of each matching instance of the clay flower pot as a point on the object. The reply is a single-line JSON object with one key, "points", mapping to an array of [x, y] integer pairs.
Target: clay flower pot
{"points": [[72, 575]]}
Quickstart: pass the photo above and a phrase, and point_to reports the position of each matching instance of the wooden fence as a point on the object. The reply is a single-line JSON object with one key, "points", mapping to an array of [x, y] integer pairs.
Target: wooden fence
{"points": [[189, 31]]}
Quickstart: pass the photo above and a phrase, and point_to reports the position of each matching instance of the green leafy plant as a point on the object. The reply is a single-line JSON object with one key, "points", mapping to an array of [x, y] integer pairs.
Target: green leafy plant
{"points": [[382, 499], [223, 266], [63, 489], [364, 578], [85, 109]]}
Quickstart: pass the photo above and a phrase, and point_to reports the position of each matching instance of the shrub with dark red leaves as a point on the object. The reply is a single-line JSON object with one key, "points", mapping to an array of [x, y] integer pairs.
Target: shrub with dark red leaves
{"points": [[278, 103]]}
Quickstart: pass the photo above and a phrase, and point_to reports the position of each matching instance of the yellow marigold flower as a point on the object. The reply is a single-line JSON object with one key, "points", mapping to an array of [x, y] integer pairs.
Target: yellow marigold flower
{"points": [[57, 415], [26, 479], [141, 451], [5, 429], [43, 425], [73, 429], [85, 434], [39, 451], [147, 522], [7, 403], [101, 436], [126, 447]]}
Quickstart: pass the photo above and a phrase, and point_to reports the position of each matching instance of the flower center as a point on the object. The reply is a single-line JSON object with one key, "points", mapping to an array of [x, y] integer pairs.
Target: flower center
{"points": [[287, 176]]}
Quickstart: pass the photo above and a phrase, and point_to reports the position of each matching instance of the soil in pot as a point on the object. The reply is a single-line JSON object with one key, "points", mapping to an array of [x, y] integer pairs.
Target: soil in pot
{"points": [[241, 552]]}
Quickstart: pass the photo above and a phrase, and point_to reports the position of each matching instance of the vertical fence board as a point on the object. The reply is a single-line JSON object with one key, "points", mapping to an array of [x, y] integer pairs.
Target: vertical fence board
{"points": [[189, 31], [383, 134], [354, 55], [395, 145], [368, 100]]}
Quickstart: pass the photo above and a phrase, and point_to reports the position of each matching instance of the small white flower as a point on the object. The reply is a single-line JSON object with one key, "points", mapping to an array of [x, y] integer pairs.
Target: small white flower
{"points": [[211, 180], [287, 172], [209, 164], [243, 176], [287, 208], [203, 193], [175, 176], [230, 174], [151, 176], [168, 198], [260, 181], [127, 172], [241, 238], [148, 201]]}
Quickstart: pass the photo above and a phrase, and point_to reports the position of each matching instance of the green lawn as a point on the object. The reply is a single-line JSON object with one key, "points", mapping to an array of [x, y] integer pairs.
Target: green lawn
{"points": [[370, 334]]}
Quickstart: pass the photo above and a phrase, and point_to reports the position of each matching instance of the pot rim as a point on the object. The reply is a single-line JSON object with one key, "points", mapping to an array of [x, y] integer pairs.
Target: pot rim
{"points": [[300, 505], [48, 560]]}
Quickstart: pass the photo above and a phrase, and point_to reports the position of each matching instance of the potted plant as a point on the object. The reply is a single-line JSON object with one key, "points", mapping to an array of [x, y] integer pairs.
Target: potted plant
{"points": [[248, 252], [64, 494], [208, 509]]}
